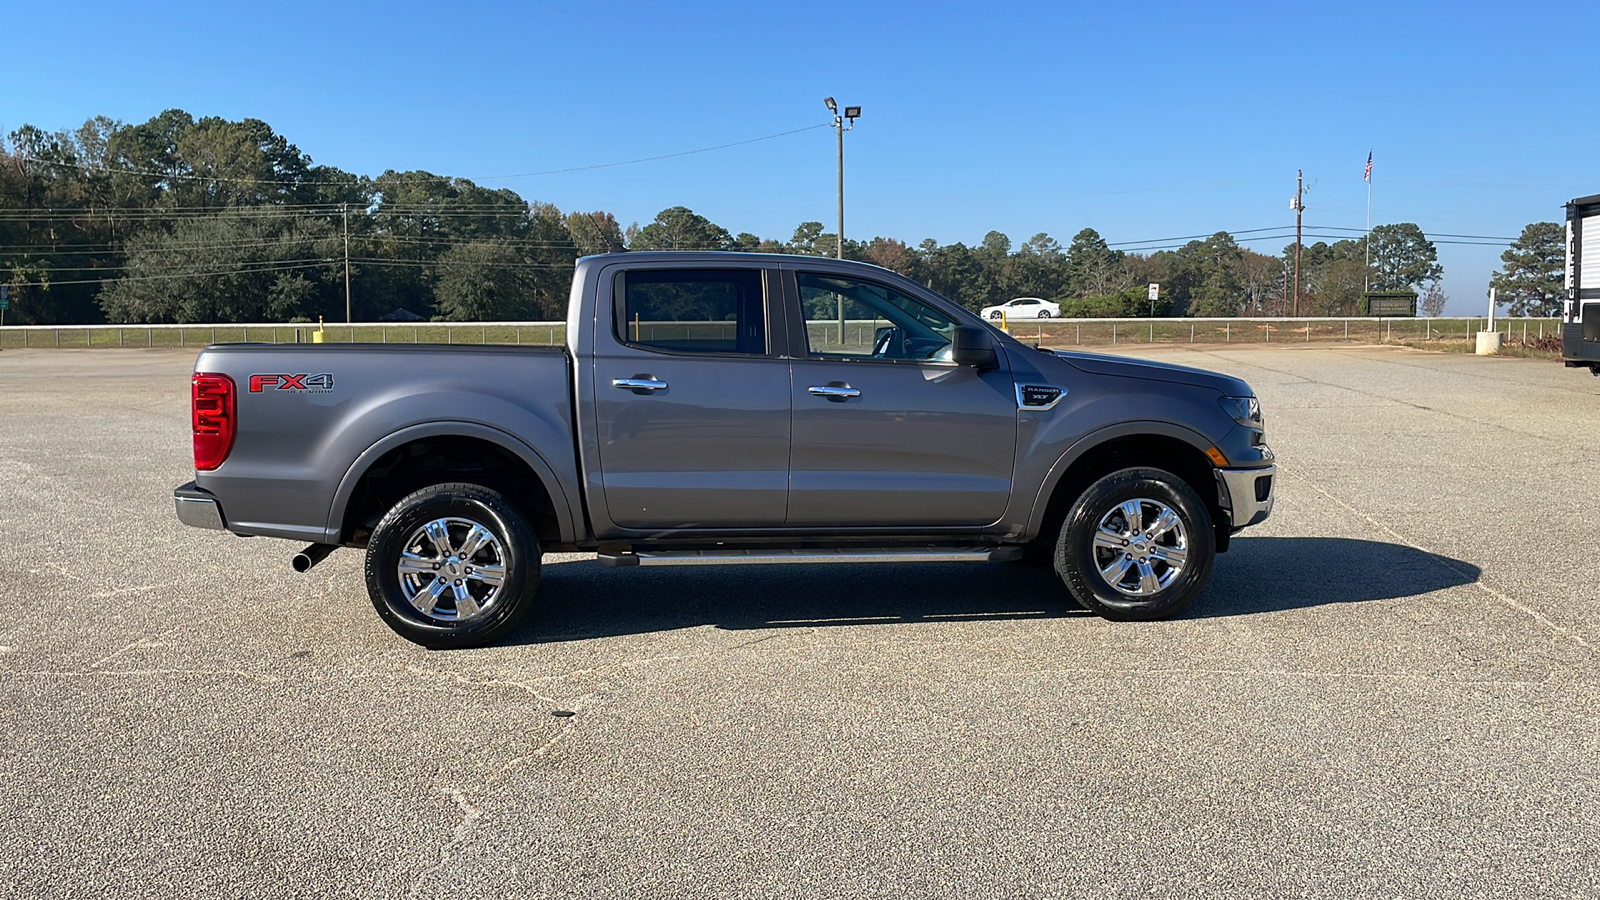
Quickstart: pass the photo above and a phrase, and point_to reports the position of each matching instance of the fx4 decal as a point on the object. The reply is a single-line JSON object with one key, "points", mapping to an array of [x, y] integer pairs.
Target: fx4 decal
{"points": [[316, 384]]}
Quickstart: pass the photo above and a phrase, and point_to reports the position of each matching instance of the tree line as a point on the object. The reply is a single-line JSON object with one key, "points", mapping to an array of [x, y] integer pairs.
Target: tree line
{"points": [[179, 219]]}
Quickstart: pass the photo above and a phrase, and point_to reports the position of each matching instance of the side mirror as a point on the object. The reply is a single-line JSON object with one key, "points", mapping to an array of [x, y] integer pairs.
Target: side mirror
{"points": [[972, 346]]}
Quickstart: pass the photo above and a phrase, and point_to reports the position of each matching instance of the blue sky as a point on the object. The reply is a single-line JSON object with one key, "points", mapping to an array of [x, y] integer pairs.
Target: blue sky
{"points": [[1141, 121]]}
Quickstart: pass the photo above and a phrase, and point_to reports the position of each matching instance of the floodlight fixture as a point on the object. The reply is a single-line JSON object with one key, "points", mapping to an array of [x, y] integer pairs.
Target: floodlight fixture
{"points": [[831, 106], [852, 112]]}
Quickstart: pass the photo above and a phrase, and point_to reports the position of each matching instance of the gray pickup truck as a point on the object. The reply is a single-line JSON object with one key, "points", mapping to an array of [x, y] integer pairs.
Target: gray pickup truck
{"points": [[726, 408]]}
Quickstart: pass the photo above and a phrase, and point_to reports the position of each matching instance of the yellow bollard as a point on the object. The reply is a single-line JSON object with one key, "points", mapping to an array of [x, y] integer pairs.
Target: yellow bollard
{"points": [[317, 336]]}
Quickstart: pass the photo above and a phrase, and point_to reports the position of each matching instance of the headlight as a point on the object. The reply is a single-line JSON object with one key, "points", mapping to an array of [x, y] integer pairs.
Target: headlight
{"points": [[1244, 410]]}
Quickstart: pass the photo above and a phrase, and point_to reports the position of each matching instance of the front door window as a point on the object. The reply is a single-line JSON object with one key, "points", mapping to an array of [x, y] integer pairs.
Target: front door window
{"points": [[879, 321]]}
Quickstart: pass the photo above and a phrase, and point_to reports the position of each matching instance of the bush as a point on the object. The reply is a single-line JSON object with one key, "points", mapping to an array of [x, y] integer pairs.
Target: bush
{"points": [[1123, 304]]}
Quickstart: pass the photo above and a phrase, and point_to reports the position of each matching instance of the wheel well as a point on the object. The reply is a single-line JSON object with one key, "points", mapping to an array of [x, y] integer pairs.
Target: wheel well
{"points": [[438, 460], [1154, 450]]}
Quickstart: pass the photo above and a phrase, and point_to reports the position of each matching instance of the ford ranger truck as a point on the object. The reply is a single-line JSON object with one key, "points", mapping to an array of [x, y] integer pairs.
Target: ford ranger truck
{"points": [[708, 409]]}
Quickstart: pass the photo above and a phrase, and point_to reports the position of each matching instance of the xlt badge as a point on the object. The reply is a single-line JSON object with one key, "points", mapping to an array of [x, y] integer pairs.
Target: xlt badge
{"points": [[1039, 396]]}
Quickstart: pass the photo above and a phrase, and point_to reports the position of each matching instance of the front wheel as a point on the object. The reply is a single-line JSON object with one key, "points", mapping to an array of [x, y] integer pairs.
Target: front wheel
{"points": [[1137, 545], [995, 314], [452, 565]]}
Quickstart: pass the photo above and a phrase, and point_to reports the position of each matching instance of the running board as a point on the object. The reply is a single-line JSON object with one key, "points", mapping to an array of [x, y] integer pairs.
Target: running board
{"points": [[780, 557]]}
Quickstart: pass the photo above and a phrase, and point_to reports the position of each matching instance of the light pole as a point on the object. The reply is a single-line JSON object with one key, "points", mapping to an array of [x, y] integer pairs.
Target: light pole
{"points": [[852, 113]]}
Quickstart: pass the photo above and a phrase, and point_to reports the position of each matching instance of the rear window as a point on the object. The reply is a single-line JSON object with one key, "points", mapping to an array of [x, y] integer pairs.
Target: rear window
{"points": [[694, 311]]}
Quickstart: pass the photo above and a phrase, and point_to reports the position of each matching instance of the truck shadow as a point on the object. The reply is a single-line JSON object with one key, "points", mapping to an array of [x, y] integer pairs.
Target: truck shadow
{"points": [[581, 599], [1274, 574]]}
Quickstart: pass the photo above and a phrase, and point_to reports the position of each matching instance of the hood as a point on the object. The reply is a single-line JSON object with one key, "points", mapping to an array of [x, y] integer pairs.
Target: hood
{"points": [[1125, 367]]}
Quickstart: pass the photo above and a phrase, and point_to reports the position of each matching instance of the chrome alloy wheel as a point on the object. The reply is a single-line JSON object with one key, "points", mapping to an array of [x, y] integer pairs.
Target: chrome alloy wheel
{"points": [[452, 569], [1140, 547]]}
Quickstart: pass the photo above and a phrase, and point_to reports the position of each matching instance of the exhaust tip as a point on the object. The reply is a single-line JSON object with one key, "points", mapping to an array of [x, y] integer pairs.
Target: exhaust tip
{"points": [[310, 556]]}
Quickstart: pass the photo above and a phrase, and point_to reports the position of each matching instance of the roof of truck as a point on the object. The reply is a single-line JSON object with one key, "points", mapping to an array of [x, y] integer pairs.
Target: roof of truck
{"points": [[727, 256]]}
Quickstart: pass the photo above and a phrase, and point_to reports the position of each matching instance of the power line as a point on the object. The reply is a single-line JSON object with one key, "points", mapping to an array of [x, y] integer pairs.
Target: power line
{"points": [[52, 284], [1188, 237], [416, 239], [357, 180], [1428, 234], [664, 156], [148, 214], [264, 212], [446, 264], [273, 262], [122, 247]]}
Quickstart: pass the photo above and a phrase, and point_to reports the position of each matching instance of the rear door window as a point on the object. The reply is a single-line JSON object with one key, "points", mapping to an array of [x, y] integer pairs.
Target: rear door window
{"points": [[710, 311]]}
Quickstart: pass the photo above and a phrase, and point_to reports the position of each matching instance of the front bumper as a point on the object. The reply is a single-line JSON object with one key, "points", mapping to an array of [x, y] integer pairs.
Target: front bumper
{"points": [[196, 507], [1247, 494]]}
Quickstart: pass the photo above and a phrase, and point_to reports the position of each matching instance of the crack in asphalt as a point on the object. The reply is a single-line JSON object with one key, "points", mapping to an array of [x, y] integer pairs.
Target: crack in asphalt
{"points": [[1441, 560], [1438, 558], [469, 814], [1190, 672], [462, 796], [97, 673]]}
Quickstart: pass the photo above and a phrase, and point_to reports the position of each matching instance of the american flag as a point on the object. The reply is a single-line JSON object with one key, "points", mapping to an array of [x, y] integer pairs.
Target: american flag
{"points": [[1367, 176]]}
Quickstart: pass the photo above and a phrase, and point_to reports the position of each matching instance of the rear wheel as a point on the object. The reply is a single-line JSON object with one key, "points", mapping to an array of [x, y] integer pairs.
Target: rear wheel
{"points": [[1137, 545], [452, 565], [1044, 313]]}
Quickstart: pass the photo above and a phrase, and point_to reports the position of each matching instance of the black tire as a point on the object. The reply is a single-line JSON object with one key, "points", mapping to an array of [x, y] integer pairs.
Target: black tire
{"points": [[1146, 590], [449, 623], [995, 315], [1044, 313]]}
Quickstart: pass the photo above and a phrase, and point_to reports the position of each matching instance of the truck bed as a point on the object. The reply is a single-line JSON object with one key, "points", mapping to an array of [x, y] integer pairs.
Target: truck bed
{"points": [[307, 413]]}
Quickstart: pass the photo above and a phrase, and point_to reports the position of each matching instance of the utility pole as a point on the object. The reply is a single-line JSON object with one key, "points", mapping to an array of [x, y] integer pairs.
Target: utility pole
{"points": [[344, 215], [1299, 212]]}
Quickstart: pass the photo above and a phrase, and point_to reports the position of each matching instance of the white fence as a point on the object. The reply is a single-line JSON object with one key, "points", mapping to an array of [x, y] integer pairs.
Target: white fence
{"points": [[825, 332], [81, 336]]}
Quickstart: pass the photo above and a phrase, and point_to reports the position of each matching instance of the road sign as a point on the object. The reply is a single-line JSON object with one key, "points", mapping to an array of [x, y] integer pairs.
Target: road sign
{"points": [[5, 300], [1155, 291], [1389, 303]]}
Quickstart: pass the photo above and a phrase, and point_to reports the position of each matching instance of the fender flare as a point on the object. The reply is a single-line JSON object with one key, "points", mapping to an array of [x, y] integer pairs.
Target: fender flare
{"points": [[1095, 439], [505, 441]]}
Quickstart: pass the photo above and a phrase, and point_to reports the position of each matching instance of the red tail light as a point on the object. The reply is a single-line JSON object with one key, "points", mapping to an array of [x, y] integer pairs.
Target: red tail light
{"points": [[214, 419]]}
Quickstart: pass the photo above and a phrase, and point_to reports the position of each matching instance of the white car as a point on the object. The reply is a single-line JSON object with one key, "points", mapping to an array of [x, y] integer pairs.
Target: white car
{"points": [[1023, 308]]}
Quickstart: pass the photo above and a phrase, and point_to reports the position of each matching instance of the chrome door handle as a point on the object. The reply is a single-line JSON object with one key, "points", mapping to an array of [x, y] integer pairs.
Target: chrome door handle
{"points": [[834, 391], [639, 384]]}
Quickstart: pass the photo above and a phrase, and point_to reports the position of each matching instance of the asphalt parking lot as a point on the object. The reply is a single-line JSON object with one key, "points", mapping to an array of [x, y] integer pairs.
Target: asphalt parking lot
{"points": [[1388, 690]]}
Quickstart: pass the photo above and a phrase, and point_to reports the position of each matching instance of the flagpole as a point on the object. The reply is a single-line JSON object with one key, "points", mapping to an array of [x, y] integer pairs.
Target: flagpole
{"points": [[1366, 272]]}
